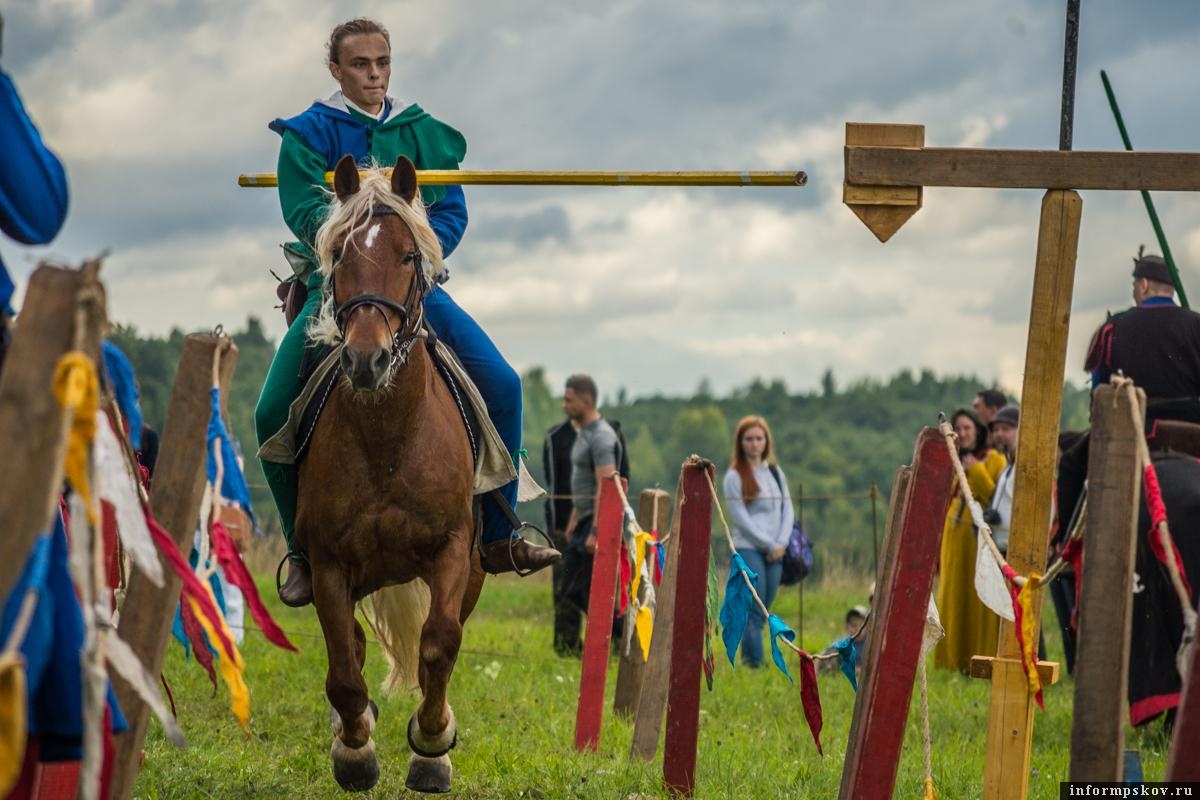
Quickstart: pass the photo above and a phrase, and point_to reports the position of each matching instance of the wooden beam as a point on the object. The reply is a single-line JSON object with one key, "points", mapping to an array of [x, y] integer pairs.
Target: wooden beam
{"points": [[175, 498], [1022, 169], [632, 667], [687, 645], [610, 514], [983, 666], [652, 702], [1105, 615], [1010, 716], [901, 604], [32, 436]]}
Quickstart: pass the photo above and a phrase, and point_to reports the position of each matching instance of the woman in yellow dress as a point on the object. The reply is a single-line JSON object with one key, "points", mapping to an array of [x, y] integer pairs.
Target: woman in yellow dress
{"points": [[971, 628]]}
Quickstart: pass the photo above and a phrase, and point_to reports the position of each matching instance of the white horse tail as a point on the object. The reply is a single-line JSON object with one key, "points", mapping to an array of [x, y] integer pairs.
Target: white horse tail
{"points": [[399, 614]]}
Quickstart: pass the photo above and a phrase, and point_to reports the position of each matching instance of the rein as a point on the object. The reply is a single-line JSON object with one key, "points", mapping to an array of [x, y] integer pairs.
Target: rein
{"points": [[402, 343]]}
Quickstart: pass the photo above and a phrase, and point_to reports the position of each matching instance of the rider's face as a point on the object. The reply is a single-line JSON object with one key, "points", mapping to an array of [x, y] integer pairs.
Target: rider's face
{"points": [[363, 68]]}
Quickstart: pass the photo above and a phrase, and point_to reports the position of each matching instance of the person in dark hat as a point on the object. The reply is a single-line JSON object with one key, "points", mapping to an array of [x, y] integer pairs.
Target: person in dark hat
{"points": [[1157, 344]]}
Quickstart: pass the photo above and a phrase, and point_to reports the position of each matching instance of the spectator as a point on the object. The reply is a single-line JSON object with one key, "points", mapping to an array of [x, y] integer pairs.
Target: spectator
{"points": [[594, 458], [1003, 431], [971, 628], [1062, 588], [856, 628], [987, 403], [33, 189], [556, 461], [761, 512]]}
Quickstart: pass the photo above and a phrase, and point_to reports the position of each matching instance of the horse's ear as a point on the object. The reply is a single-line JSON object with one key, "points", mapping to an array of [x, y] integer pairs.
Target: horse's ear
{"points": [[345, 177], [404, 179]]}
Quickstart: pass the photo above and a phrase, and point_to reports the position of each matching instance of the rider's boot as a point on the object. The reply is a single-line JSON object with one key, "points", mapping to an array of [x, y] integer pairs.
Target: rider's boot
{"points": [[297, 590], [516, 555]]}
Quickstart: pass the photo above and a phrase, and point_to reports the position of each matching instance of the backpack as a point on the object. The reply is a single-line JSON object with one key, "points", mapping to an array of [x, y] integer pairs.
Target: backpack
{"points": [[798, 558]]}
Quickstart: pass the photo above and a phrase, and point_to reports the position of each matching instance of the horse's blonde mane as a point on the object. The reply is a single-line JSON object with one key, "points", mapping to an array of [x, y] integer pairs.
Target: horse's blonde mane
{"points": [[352, 215]]}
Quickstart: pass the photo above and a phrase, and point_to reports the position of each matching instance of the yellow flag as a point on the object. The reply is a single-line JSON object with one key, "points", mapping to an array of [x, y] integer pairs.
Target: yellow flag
{"points": [[645, 625], [77, 390], [229, 664], [1029, 631], [12, 720], [640, 542]]}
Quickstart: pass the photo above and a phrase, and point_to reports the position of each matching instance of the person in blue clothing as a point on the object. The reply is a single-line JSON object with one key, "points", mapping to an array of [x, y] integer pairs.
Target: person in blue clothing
{"points": [[361, 119], [33, 188]]}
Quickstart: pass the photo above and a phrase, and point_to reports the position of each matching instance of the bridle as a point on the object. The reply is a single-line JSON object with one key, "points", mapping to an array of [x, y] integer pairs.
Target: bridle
{"points": [[405, 335]]}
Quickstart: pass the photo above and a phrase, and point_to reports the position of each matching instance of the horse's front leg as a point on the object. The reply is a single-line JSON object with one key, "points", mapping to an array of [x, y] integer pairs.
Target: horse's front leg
{"points": [[353, 751], [432, 731]]}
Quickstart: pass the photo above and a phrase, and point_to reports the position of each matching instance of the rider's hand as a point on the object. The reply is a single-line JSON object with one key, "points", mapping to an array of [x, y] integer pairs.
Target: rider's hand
{"points": [[589, 543]]}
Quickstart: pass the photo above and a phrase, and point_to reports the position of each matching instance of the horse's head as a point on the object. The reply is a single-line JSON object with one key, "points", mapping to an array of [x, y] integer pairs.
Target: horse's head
{"points": [[377, 251]]}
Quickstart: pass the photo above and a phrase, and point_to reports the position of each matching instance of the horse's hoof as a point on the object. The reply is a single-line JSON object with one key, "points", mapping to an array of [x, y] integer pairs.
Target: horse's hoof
{"points": [[429, 775], [354, 770]]}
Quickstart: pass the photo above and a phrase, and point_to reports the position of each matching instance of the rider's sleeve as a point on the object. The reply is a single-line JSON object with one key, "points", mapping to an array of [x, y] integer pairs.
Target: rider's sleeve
{"points": [[448, 218], [33, 185], [303, 196]]}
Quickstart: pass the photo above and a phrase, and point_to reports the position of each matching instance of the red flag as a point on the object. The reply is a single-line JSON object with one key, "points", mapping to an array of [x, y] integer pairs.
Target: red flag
{"points": [[810, 698], [626, 579], [239, 576], [195, 635]]}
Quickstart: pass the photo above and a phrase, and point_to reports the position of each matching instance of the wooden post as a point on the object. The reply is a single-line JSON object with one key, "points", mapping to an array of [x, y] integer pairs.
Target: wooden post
{"points": [[610, 514], [175, 498], [901, 602], [1010, 716], [652, 703], [1183, 759], [632, 667], [32, 436], [687, 641], [1105, 614]]}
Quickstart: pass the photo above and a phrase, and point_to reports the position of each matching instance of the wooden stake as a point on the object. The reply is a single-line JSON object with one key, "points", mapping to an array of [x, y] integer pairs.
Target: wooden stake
{"points": [[1105, 605], [687, 645], [901, 603], [652, 703], [632, 667], [610, 513], [175, 498], [32, 437], [1010, 716]]}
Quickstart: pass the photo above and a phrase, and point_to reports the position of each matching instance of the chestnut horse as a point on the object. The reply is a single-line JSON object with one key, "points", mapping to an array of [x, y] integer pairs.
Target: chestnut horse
{"points": [[386, 488]]}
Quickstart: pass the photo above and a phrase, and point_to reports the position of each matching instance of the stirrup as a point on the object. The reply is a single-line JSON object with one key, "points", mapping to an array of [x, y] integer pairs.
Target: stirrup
{"points": [[517, 526]]}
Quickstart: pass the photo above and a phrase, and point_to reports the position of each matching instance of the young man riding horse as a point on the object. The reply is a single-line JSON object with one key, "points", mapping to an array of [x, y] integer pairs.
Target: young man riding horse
{"points": [[361, 120]]}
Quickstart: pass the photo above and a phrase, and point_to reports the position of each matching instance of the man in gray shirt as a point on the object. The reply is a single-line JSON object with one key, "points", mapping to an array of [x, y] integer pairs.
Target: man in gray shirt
{"points": [[594, 458]]}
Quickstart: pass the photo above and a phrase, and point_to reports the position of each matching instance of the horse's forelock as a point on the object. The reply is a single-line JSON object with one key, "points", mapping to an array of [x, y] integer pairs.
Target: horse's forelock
{"points": [[352, 214]]}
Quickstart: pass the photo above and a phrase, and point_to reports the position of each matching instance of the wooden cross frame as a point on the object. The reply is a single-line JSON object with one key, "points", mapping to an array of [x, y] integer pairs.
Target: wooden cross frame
{"points": [[887, 168]]}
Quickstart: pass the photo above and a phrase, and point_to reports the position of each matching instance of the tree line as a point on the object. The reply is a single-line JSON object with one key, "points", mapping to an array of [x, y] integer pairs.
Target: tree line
{"points": [[833, 440]]}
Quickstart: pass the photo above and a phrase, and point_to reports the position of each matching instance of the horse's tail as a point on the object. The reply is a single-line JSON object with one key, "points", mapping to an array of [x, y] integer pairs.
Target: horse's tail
{"points": [[400, 612]]}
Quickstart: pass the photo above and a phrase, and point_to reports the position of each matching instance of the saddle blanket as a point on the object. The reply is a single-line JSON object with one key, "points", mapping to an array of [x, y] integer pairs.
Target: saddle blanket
{"points": [[494, 467]]}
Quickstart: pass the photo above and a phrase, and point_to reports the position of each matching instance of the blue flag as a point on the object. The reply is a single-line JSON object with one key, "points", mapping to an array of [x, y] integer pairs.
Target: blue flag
{"points": [[780, 628], [847, 659], [735, 611], [233, 482]]}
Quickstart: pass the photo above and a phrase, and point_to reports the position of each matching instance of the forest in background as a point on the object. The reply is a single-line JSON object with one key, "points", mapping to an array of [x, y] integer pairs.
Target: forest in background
{"points": [[834, 440]]}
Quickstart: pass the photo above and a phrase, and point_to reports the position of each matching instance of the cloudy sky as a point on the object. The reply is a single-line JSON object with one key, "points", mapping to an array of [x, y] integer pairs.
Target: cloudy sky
{"points": [[156, 105]]}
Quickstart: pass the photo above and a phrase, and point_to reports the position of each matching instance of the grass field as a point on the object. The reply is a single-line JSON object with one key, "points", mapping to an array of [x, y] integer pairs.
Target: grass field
{"points": [[515, 702]]}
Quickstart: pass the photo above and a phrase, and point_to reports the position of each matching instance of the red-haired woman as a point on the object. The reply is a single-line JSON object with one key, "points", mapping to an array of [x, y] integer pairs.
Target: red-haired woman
{"points": [[761, 510], [971, 628]]}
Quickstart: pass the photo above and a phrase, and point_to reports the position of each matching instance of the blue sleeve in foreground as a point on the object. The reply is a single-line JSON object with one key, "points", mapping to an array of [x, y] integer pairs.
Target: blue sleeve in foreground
{"points": [[448, 218], [33, 185]]}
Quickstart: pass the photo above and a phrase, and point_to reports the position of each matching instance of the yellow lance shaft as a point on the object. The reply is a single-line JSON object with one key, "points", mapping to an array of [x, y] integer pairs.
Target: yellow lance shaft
{"points": [[475, 177]]}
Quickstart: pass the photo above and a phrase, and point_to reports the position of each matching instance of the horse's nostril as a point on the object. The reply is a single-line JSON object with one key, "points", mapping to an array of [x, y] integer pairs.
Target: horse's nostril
{"points": [[379, 361], [347, 361]]}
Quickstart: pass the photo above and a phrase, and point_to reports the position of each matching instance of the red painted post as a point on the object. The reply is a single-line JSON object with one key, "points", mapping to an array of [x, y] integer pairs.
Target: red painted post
{"points": [[601, 602], [687, 641], [881, 708], [1183, 760]]}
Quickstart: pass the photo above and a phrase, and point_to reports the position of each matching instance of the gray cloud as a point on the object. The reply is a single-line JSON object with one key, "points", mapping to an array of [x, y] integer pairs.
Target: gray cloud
{"points": [[157, 107]]}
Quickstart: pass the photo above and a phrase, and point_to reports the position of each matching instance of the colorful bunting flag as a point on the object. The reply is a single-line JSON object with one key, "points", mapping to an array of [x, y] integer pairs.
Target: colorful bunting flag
{"points": [[780, 628], [239, 576], [847, 659], [735, 611], [810, 699], [77, 391]]}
